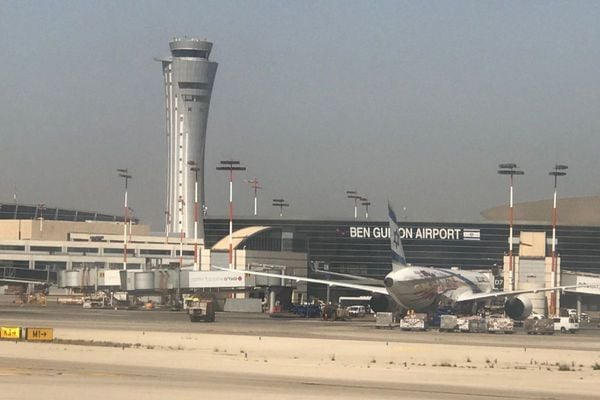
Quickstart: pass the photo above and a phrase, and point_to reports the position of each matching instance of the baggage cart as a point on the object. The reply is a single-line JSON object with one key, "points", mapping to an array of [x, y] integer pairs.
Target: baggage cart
{"points": [[448, 323], [542, 326], [385, 320]]}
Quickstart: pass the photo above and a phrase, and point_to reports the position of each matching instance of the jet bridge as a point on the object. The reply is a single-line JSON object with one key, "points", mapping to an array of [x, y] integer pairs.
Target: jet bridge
{"points": [[11, 274]]}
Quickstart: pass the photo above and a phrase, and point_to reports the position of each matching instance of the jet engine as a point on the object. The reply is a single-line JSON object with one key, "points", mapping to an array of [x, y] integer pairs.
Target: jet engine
{"points": [[518, 308], [381, 303]]}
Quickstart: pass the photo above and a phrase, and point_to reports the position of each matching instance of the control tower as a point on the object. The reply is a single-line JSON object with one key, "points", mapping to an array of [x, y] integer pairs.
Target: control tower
{"points": [[189, 77]]}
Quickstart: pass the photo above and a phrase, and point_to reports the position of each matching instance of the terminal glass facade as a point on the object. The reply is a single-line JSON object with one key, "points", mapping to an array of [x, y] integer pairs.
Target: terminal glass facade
{"points": [[363, 248]]}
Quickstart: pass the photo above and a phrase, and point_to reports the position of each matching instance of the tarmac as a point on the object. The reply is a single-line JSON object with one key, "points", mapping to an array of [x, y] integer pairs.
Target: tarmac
{"points": [[122, 354]]}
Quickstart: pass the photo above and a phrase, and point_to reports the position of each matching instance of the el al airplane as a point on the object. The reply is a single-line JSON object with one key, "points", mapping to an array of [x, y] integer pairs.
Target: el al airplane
{"points": [[423, 288]]}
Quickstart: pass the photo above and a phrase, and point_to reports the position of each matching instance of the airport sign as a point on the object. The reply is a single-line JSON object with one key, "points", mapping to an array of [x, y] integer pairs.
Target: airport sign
{"points": [[10, 332], [39, 334], [216, 279], [419, 233]]}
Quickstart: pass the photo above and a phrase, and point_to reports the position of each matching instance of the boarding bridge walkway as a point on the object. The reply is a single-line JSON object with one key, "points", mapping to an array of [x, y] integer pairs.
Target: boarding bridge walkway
{"points": [[26, 275]]}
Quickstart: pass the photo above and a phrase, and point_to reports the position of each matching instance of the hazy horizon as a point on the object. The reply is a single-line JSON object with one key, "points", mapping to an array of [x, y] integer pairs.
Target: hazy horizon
{"points": [[412, 102]]}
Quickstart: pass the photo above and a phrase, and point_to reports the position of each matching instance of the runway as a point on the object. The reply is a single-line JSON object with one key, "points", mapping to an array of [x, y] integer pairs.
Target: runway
{"points": [[160, 354]]}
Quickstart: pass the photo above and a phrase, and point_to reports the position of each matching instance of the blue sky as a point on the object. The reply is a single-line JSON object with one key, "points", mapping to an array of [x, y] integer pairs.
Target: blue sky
{"points": [[415, 102]]}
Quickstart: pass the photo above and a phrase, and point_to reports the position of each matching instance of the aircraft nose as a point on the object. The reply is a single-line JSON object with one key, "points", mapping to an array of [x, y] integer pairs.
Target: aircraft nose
{"points": [[388, 282]]}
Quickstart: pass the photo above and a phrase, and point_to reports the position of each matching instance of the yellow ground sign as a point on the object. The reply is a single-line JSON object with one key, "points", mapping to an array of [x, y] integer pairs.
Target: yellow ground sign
{"points": [[10, 332], [40, 334]]}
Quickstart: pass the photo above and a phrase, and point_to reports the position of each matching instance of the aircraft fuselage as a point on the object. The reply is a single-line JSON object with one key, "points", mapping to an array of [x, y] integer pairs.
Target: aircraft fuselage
{"points": [[421, 288]]}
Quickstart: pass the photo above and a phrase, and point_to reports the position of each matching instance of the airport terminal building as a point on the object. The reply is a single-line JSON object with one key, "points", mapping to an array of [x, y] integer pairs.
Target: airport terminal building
{"points": [[64, 240], [363, 247]]}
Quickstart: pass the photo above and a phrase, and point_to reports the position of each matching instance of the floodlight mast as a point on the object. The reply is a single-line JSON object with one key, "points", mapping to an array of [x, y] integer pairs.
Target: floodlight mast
{"points": [[230, 165], [559, 170], [365, 202], [353, 194], [124, 173], [510, 169], [254, 184], [281, 203]]}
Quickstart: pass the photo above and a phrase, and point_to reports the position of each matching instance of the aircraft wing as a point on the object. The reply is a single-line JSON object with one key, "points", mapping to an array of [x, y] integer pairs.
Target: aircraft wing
{"points": [[356, 277], [495, 295], [366, 288]]}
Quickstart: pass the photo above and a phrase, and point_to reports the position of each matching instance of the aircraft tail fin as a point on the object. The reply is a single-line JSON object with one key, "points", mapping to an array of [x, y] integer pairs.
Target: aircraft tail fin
{"points": [[398, 258]]}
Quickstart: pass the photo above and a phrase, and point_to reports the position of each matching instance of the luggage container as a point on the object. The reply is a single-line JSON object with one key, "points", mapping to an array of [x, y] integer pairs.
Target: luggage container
{"points": [[448, 323], [500, 324], [477, 325], [385, 320], [473, 324], [462, 323]]}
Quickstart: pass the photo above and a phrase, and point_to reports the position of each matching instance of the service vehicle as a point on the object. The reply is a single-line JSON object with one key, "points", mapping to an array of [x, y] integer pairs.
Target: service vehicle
{"points": [[585, 317], [96, 300], [566, 324], [536, 315], [331, 312], [201, 310], [571, 312], [356, 311]]}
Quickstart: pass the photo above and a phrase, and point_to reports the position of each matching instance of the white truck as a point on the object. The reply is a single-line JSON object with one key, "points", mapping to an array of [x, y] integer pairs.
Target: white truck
{"points": [[566, 324]]}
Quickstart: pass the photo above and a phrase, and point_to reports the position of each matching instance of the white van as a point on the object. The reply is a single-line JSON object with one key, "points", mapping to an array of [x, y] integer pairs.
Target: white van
{"points": [[356, 311], [566, 324]]}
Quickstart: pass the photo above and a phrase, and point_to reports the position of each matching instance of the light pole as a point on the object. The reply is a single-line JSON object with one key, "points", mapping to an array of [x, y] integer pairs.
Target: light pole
{"points": [[195, 169], [510, 170], [230, 165], [124, 173], [366, 203], [353, 194], [41, 208], [254, 184], [559, 170], [281, 203]]}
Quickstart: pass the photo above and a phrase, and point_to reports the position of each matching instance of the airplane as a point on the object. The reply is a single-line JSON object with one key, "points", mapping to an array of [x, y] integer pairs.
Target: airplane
{"points": [[422, 289]]}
